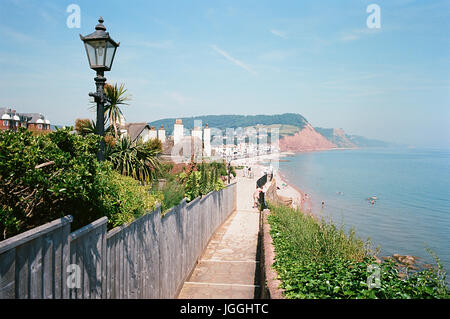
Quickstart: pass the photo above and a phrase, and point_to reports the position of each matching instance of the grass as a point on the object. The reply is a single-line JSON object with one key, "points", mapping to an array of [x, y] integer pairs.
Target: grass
{"points": [[317, 260]]}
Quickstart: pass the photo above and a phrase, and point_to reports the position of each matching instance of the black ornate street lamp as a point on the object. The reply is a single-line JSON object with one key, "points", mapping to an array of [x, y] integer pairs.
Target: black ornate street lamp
{"points": [[100, 49]]}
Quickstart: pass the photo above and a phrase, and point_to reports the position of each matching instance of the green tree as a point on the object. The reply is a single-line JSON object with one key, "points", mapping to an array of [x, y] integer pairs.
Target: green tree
{"points": [[135, 159]]}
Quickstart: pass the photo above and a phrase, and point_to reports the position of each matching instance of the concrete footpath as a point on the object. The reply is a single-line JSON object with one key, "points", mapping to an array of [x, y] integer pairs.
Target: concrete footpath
{"points": [[229, 267]]}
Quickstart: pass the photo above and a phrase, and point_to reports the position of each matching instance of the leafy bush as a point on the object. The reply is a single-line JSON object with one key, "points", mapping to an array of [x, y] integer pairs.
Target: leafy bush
{"points": [[172, 194], [221, 167], [154, 144], [201, 182], [128, 200], [315, 259], [43, 178]]}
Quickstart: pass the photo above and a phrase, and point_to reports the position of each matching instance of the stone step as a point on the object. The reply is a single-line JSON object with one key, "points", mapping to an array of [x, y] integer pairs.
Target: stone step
{"points": [[218, 291], [227, 272]]}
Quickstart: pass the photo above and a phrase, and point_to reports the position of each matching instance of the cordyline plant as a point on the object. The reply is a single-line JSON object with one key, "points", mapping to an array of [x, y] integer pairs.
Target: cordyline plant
{"points": [[136, 159], [115, 96]]}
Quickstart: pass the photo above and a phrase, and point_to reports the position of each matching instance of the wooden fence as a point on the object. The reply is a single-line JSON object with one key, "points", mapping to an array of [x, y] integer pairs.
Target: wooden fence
{"points": [[148, 258]]}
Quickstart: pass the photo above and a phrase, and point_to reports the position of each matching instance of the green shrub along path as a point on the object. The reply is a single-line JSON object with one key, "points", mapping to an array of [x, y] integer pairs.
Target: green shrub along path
{"points": [[317, 260], [43, 178]]}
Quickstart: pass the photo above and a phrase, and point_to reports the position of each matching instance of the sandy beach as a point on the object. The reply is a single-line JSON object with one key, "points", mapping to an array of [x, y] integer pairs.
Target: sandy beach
{"points": [[261, 163]]}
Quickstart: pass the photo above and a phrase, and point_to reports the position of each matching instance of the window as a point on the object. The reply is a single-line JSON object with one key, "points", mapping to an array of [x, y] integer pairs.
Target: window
{"points": [[5, 122]]}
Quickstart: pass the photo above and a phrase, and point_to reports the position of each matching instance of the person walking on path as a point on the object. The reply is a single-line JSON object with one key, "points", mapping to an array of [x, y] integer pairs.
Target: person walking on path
{"points": [[261, 203]]}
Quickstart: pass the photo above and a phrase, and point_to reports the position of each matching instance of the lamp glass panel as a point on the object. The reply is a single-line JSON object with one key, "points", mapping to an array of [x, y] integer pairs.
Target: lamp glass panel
{"points": [[90, 53], [110, 51], [96, 51]]}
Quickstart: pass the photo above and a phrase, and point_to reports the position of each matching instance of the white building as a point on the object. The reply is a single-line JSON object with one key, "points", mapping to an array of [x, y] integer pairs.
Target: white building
{"points": [[137, 130], [178, 131], [197, 133], [162, 134], [207, 141], [153, 133]]}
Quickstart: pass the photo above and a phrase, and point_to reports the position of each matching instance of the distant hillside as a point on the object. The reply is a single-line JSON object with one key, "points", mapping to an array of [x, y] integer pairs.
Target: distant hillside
{"points": [[362, 141], [336, 136], [289, 121], [343, 140]]}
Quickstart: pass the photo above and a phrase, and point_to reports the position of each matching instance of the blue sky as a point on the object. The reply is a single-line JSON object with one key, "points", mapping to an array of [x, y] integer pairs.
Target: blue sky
{"points": [[185, 58]]}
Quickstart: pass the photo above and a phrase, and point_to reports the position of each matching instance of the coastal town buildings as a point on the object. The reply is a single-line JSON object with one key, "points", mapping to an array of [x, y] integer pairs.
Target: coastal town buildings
{"points": [[12, 120], [201, 143]]}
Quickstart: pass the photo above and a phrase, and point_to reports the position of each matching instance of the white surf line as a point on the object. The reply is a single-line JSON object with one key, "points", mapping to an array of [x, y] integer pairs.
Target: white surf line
{"points": [[219, 284]]}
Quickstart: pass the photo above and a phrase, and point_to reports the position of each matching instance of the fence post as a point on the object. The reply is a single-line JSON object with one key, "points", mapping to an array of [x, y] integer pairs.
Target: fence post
{"points": [[32, 264]]}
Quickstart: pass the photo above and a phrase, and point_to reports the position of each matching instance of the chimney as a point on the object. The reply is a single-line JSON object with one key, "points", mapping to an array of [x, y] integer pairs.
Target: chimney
{"points": [[162, 134], [178, 131], [207, 141], [152, 133]]}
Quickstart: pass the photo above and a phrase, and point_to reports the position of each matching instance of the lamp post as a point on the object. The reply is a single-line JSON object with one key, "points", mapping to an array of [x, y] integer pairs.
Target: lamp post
{"points": [[100, 50]]}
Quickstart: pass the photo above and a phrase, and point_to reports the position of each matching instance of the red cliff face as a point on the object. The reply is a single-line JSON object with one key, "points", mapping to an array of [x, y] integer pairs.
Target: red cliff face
{"points": [[304, 141]]}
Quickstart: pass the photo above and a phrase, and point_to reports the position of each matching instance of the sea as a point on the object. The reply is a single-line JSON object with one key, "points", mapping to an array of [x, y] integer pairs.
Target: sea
{"points": [[411, 212]]}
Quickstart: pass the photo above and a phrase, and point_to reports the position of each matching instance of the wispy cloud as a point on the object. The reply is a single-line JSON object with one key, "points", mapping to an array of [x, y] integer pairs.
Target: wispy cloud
{"points": [[154, 45], [357, 34], [280, 34], [277, 55], [233, 60], [18, 36], [178, 97]]}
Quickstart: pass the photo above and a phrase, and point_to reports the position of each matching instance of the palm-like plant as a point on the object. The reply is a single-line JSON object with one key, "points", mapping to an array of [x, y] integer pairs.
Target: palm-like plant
{"points": [[85, 126], [115, 96], [134, 159]]}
